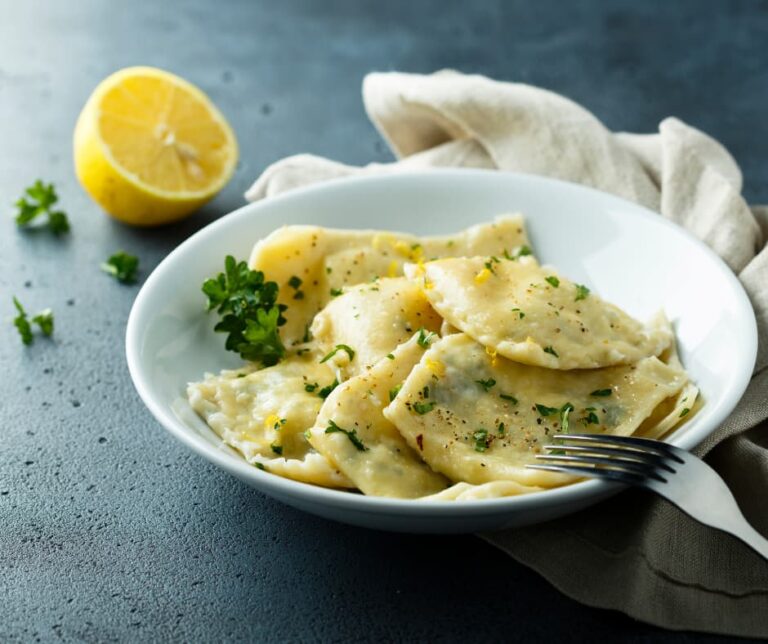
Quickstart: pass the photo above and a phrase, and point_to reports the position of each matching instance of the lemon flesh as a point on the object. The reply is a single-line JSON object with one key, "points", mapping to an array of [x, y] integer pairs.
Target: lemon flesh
{"points": [[150, 147]]}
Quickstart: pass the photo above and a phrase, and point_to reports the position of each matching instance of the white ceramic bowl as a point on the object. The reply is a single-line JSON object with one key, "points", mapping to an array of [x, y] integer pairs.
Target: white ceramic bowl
{"points": [[627, 254]]}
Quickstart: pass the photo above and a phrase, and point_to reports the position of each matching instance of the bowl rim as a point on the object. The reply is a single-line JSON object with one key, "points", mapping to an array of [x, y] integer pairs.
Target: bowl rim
{"points": [[280, 487]]}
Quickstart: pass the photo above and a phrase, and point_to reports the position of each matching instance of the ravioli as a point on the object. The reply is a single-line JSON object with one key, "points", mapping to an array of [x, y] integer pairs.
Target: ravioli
{"points": [[264, 413], [309, 263], [375, 457], [372, 319], [492, 490], [486, 417]]}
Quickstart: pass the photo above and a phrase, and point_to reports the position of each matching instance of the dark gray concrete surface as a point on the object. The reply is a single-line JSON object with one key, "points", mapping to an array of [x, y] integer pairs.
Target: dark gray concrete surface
{"points": [[109, 530]]}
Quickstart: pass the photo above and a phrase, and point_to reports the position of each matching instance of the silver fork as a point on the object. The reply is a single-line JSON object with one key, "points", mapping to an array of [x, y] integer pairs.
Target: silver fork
{"points": [[675, 474]]}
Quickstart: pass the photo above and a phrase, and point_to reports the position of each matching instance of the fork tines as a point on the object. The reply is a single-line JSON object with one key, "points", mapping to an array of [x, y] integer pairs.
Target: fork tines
{"points": [[618, 458]]}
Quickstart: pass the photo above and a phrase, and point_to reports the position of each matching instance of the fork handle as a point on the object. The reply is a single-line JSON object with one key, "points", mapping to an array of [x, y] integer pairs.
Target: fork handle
{"points": [[749, 536]]}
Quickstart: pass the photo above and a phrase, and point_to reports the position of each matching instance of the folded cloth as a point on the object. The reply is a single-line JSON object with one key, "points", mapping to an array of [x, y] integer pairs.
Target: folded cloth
{"points": [[634, 553]]}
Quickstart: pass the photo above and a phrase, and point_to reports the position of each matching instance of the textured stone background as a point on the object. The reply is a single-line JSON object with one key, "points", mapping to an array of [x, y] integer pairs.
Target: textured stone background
{"points": [[109, 530]]}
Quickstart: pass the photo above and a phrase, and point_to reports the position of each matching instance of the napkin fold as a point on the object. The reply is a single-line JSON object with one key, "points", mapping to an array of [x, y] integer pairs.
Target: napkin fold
{"points": [[635, 552]]}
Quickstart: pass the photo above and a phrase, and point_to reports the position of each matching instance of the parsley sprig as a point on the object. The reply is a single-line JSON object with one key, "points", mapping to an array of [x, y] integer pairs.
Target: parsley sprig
{"points": [[250, 312], [122, 266], [44, 320], [38, 200]]}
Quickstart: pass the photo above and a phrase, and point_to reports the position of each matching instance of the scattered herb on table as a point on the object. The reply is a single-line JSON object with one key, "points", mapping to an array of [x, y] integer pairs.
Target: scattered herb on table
{"points": [[122, 266], [39, 199], [44, 320], [250, 312]]}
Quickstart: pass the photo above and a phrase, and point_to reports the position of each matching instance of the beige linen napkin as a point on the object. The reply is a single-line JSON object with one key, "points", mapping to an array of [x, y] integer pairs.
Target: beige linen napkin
{"points": [[634, 553]]}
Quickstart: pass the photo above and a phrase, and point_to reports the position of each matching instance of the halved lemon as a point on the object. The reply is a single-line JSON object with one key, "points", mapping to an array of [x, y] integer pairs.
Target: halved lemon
{"points": [[151, 147]]}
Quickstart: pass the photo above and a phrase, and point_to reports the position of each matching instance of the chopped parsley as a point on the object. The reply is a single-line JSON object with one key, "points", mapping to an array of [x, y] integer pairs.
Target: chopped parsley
{"points": [[591, 417], [44, 320], [260, 466], [546, 411], [581, 292], [351, 434], [122, 266], [554, 281], [520, 314], [425, 337], [394, 391], [423, 407], [508, 397], [486, 384], [307, 334], [685, 412], [551, 351], [390, 356], [335, 292], [500, 429], [339, 347], [520, 252], [326, 391], [277, 449], [601, 393], [250, 314], [310, 387], [38, 200], [481, 440]]}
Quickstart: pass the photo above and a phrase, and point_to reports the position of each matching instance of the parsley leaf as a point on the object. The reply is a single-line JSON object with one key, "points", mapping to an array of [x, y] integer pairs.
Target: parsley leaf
{"points": [[122, 267], [601, 392], [394, 391], [250, 312], [520, 313], [339, 347], [551, 351], [486, 384], [685, 412], [350, 433], [310, 387], [335, 292], [37, 200], [22, 324], [44, 320], [508, 397], [581, 292], [277, 449], [423, 407], [553, 280]]}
